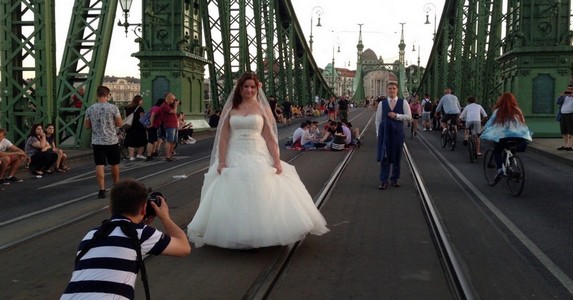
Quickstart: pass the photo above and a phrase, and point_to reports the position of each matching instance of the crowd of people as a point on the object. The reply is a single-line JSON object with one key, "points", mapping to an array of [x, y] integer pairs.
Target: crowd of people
{"points": [[245, 170]]}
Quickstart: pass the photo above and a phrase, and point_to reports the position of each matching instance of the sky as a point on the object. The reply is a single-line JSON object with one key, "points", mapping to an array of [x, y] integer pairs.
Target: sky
{"points": [[381, 31]]}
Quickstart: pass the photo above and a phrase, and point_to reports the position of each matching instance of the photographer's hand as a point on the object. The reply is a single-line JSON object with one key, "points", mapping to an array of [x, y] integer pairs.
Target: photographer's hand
{"points": [[179, 245]]}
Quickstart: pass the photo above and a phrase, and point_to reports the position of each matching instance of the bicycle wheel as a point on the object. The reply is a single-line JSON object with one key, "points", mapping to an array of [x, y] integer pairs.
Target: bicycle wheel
{"points": [[122, 148], [515, 176], [444, 139], [453, 138], [471, 148], [489, 167], [412, 130]]}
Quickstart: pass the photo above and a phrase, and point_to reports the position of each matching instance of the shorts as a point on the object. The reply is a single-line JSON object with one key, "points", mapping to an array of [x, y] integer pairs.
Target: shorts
{"points": [[476, 129], [566, 123], [426, 116], [104, 154], [152, 135], [452, 117], [171, 135]]}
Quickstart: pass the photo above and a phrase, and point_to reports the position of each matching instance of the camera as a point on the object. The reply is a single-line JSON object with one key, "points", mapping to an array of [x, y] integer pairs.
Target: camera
{"points": [[152, 197]]}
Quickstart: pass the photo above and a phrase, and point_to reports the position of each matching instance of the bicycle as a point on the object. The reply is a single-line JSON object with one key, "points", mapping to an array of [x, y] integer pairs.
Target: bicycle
{"points": [[472, 144], [512, 168], [121, 143], [449, 136], [414, 126]]}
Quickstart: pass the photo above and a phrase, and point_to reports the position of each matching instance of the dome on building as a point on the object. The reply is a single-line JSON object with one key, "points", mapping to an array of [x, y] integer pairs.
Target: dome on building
{"points": [[369, 55]]}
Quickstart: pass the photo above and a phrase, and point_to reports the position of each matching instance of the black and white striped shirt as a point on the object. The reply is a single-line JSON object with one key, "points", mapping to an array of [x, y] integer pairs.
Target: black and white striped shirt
{"points": [[109, 269]]}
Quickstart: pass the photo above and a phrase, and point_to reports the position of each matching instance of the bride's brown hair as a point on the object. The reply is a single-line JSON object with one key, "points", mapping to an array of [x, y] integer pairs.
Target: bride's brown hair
{"points": [[237, 99]]}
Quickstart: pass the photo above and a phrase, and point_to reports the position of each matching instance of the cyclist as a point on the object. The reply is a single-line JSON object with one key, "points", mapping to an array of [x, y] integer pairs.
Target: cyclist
{"points": [[416, 110], [472, 115], [450, 108], [506, 124]]}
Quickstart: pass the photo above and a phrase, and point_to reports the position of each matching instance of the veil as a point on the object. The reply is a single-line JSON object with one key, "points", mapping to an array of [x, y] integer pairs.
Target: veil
{"points": [[270, 123]]}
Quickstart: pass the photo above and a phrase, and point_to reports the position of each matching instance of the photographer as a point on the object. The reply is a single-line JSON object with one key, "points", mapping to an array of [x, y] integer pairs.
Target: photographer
{"points": [[170, 123], [110, 256]]}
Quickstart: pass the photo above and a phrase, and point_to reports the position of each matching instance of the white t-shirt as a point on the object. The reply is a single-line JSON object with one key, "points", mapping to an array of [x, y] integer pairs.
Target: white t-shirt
{"points": [[472, 112], [297, 135], [5, 144]]}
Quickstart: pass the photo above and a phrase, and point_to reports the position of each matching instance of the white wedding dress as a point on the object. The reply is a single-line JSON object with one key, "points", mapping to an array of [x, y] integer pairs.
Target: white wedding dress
{"points": [[249, 205]]}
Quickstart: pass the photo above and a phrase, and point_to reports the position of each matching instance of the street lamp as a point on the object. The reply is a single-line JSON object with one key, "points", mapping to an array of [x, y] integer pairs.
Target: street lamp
{"points": [[318, 11], [428, 7], [125, 6]]}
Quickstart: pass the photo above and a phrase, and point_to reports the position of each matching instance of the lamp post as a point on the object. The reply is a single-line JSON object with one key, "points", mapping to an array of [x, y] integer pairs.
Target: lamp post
{"points": [[336, 43], [125, 7], [428, 7], [318, 11]]}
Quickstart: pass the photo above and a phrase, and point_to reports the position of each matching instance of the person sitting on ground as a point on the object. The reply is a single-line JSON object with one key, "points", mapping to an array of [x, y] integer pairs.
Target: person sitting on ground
{"points": [[329, 132], [297, 135], [62, 156], [355, 133], [109, 257], [42, 157], [308, 139], [185, 130], [11, 157]]}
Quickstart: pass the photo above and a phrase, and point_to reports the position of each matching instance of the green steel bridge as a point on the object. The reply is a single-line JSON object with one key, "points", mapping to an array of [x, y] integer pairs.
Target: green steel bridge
{"points": [[481, 48]]}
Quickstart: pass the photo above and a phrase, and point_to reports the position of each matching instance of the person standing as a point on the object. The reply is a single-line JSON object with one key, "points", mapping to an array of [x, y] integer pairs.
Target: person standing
{"points": [[287, 111], [170, 124], [450, 106], [136, 135], [473, 114], [343, 104], [391, 113], [11, 157], [103, 119], [426, 111], [565, 118], [250, 198]]}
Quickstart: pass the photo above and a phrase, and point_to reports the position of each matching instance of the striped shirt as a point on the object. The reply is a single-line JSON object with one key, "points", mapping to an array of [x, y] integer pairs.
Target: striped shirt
{"points": [[109, 269]]}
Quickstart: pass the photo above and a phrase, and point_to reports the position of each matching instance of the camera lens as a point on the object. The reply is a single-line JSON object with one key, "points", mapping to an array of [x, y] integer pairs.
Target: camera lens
{"points": [[152, 197]]}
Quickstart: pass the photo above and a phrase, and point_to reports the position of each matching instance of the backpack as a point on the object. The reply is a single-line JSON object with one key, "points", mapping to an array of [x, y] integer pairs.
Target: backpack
{"points": [[428, 106], [146, 119]]}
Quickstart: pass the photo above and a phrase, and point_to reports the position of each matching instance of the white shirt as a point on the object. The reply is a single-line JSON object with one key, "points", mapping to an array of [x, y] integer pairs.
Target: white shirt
{"points": [[5, 144], [472, 113], [407, 116], [297, 135]]}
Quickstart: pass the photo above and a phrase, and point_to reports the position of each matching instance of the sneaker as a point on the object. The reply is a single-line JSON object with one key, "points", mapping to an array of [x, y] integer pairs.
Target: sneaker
{"points": [[424, 129], [191, 140], [131, 158], [498, 176], [4, 181], [140, 156], [13, 179], [430, 129], [101, 194]]}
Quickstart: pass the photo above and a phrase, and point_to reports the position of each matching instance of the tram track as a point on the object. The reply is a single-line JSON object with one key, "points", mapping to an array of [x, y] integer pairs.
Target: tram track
{"points": [[459, 285]]}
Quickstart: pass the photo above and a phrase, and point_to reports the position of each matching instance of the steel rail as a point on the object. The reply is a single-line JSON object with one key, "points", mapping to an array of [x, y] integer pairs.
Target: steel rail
{"points": [[459, 284]]}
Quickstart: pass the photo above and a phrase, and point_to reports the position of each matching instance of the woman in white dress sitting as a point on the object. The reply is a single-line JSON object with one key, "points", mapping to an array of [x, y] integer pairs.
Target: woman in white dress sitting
{"points": [[250, 198]]}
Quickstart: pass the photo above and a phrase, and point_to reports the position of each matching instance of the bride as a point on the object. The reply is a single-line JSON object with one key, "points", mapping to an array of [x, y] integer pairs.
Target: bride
{"points": [[250, 198]]}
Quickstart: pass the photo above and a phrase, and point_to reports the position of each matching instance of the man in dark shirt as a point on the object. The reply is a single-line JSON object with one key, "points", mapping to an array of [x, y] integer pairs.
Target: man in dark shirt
{"points": [[273, 105], [343, 108]]}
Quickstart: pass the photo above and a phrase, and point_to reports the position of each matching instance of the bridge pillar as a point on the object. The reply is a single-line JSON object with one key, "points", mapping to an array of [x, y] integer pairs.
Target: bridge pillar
{"points": [[171, 55], [536, 64]]}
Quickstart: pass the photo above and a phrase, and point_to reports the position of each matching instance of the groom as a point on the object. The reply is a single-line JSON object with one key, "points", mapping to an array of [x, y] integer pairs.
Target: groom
{"points": [[391, 112]]}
